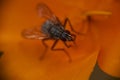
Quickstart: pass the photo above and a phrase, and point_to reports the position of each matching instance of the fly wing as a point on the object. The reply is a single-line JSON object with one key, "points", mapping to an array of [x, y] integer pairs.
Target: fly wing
{"points": [[44, 11], [33, 33]]}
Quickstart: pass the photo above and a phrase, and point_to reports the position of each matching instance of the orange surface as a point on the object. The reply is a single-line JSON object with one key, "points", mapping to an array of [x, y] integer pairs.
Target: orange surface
{"points": [[21, 59]]}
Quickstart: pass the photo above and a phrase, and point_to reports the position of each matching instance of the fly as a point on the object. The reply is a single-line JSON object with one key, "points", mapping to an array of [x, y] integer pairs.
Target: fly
{"points": [[52, 28]]}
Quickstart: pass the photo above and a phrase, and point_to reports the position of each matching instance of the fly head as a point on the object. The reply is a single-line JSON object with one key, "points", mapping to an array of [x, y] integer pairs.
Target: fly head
{"points": [[66, 36]]}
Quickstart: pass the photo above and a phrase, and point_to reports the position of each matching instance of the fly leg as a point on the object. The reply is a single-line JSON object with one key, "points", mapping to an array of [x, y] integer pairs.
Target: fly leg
{"points": [[68, 46], [46, 47], [61, 49], [74, 38], [71, 27]]}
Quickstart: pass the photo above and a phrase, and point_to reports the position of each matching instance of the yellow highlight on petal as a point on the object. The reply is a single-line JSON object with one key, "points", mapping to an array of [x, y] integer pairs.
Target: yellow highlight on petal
{"points": [[104, 13], [96, 13]]}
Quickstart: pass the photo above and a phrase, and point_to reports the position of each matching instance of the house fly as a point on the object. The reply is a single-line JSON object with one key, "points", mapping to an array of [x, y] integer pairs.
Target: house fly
{"points": [[52, 28]]}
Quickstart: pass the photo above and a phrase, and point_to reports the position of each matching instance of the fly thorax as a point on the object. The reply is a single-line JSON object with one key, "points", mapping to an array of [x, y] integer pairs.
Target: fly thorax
{"points": [[46, 26], [55, 32]]}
